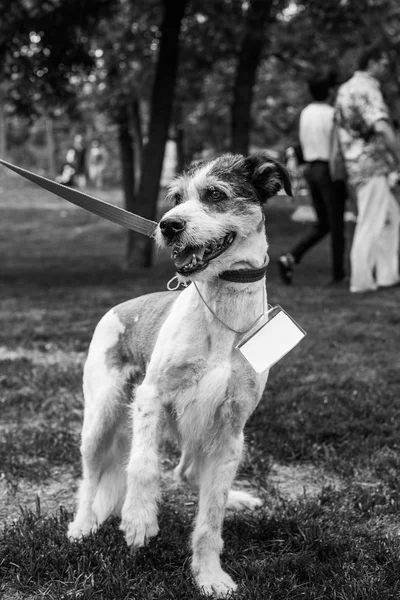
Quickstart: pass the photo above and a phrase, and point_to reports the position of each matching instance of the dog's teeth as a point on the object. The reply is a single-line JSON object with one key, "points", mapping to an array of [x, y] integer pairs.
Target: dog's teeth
{"points": [[202, 255]]}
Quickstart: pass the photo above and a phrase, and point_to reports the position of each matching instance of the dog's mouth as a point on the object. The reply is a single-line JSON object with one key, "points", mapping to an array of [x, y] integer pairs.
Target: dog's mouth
{"points": [[193, 259]]}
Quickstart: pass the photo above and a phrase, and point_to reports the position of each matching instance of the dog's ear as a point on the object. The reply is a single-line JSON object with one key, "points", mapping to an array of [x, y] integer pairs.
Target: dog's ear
{"points": [[268, 176]]}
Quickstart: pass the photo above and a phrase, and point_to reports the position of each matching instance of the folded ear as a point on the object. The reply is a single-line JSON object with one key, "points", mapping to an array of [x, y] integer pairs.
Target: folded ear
{"points": [[268, 176]]}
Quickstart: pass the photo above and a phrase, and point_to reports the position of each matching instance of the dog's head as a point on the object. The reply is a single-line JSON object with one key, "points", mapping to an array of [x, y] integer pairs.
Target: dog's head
{"points": [[217, 206]]}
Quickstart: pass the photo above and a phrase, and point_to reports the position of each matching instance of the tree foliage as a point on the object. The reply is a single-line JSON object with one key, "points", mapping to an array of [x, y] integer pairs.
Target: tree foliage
{"points": [[331, 35], [44, 45], [243, 63]]}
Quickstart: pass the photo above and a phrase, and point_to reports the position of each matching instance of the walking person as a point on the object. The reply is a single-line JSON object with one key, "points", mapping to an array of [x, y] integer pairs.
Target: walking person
{"points": [[76, 158], [328, 197], [371, 152], [97, 161]]}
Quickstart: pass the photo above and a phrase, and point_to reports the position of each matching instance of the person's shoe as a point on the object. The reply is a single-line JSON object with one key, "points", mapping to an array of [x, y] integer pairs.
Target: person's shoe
{"points": [[285, 267], [354, 290]]}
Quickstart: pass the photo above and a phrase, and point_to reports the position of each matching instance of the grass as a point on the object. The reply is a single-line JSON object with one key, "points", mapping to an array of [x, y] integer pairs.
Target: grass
{"points": [[331, 413]]}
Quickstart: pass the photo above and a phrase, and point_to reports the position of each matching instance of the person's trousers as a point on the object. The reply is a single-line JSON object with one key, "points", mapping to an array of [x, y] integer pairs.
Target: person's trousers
{"points": [[374, 255], [328, 199]]}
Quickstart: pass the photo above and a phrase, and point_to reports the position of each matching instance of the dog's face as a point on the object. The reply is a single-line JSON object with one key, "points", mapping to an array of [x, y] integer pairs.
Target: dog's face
{"points": [[217, 205]]}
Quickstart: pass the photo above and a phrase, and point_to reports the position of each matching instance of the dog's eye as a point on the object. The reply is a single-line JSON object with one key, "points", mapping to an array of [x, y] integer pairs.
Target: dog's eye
{"points": [[215, 194], [177, 199]]}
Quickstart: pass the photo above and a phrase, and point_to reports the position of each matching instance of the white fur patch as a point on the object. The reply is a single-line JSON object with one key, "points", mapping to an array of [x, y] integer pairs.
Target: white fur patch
{"points": [[199, 179], [264, 167], [107, 332], [241, 500], [97, 370]]}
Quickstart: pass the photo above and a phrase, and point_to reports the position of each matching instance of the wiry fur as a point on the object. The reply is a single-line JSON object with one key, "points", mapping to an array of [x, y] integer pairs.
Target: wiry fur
{"points": [[165, 360]]}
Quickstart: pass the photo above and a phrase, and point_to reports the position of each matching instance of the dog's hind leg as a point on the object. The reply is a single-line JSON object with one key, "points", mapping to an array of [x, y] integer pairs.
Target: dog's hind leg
{"points": [[187, 471], [103, 481], [216, 477], [103, 436]]}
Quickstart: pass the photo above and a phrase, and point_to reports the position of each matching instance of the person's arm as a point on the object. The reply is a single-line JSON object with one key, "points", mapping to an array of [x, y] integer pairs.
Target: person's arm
{"points": [[384, 129], [70, 158], [301, 131]]}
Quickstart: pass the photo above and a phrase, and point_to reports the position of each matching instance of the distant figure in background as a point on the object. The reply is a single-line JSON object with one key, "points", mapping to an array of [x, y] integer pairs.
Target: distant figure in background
{"points": [[96, 162], [66, 177], [293, 166], [328, 197], [76, 158], [371, 152]]}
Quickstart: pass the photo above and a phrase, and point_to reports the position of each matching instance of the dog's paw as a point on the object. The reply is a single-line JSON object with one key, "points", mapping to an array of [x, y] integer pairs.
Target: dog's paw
{"points": [[240, 500], [217, 584], [80, 527], [139, 528]]}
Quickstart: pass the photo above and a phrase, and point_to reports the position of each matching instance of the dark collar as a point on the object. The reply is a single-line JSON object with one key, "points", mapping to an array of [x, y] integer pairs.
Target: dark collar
{"points": [[244, 275]]}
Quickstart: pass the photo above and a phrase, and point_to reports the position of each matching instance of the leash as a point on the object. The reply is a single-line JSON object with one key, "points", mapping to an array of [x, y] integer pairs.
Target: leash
{"points": [[94, 205]]}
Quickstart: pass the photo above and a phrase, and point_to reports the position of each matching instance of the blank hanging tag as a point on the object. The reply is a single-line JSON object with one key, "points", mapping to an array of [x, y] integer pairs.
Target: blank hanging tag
{"points": [[270, 339]]}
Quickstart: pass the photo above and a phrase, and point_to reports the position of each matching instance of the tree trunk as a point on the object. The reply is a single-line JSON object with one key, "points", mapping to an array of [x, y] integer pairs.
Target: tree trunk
{"points": [[3, 125], [180, 147], [127, 163], [50, 146], [179, 135], [160, 111], [246, 71], [134, 155], [135, 121]]}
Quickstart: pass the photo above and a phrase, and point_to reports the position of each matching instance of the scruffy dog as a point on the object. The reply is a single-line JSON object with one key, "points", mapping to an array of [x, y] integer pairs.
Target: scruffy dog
{"points": [[169, 359]]}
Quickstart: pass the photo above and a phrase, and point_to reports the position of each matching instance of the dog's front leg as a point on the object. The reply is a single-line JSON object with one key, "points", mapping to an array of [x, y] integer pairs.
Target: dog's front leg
{"points": [[216, 478], [139, 512]]}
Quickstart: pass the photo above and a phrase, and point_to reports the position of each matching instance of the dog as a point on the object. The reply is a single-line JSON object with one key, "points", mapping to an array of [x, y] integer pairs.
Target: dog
{"points": [[168, 360]]}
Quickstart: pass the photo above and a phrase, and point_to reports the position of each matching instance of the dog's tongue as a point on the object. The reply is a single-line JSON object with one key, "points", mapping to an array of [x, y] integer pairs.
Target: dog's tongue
{"points": [[185, 257]]}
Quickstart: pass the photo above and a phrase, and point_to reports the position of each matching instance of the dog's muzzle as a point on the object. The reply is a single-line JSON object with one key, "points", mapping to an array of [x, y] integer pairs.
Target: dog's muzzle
{"points": [[190, 259]]}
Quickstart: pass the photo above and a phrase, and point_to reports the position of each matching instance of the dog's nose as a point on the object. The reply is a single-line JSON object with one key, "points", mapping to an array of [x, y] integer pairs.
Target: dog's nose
{"points": [[170, 227]]}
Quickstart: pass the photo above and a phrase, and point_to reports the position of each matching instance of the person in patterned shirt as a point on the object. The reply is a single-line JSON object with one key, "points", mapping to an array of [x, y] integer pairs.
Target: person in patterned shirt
{"points": [[371, 152]]}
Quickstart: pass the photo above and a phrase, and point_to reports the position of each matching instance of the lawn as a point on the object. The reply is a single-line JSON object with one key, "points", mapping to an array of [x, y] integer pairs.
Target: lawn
{"points": [[322, 447]]}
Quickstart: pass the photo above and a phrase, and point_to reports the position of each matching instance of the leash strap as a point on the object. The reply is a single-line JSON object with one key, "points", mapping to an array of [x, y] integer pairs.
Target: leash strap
{"points": [[244, 275], [94, 205]]}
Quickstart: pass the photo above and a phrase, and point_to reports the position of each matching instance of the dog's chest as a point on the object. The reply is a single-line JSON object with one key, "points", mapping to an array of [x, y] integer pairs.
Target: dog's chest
{"points": [[198, 372], [192, 361], [204, 379], [209, 399]]}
